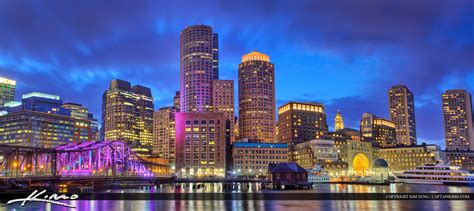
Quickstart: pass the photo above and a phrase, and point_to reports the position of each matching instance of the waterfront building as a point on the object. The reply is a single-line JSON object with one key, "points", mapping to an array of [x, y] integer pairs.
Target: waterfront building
{"points": [[198, 67], [164, 134], [338, 121], [252, 159], [7, 90], [288, 175], [176, 100], [402, 158], [257, 97], [319, 151], [379, 129], [200, 144], [458, 120], [301, 121], [41, 121], [127, 113], [464, 159], [223, 101], [402, 113]]}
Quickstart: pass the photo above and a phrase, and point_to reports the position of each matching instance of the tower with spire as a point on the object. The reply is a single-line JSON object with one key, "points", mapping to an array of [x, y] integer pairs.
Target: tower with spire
{"points": [[338, 122]]}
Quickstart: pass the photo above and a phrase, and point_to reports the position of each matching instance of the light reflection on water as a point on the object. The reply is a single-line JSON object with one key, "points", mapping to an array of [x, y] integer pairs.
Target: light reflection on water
{"points": [[276, 205]]}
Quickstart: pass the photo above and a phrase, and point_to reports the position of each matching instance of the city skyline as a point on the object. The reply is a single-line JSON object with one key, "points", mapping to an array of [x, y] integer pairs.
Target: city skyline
{"points": [[88, 65]]}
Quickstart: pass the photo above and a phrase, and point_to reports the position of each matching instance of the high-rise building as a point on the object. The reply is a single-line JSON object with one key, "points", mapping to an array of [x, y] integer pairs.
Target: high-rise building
{"points": [[176, 100], [338, 121], [199, 66], [379, 129], [458, 120], [223, 101], [127, 113], [215, 55], [402, 113], [301, 122], [41, 121], [257, 98], [200, 144], [80, 112], [7, 90], [164, 133]]}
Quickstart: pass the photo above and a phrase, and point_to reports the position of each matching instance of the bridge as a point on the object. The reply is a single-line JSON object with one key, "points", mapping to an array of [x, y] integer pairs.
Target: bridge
{"points": [[92, 161]]}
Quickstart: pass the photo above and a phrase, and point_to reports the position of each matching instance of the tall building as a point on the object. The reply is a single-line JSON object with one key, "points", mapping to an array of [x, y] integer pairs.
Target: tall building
{"points": [[200, 144], [301, 121], [257, 97], [127, 113], [215, 55], [379, 129], [458, 120], [223, 101], [41, 121], [199, 66], [80, 112], [402, 113], [164, 133], [176, 100], [338, 121], [7, 90]]}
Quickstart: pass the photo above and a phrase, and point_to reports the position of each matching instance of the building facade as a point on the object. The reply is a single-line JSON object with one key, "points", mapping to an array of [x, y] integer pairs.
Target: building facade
{"points": [[464, 159], [301, 121], [127, 113], [257, 98], [458, 120], [379, 129], [198, 67], [402, 113], [321, 152], [200, 144], [223, 101], [41, 121], [404, 158], [253, 159], [7, 90], [164, 133]]}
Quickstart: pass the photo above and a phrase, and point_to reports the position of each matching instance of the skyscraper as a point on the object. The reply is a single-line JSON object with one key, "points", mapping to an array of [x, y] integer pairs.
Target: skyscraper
{"points": [[7, 90], [176, 100], [257, 97], [200, 144], [199, 66], [458, 120], [379, 129], [338, 121], [402, 113], [164, 133], [223, 101], [301, 122], [127, 113]]}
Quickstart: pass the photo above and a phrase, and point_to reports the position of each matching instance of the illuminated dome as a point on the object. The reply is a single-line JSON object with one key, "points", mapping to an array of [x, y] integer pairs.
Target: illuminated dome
{"points": [[380, 163], [255, 56]]}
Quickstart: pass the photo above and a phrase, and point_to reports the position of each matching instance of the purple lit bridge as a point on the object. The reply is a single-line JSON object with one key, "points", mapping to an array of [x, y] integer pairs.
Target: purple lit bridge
{"points": [[102, 160]]}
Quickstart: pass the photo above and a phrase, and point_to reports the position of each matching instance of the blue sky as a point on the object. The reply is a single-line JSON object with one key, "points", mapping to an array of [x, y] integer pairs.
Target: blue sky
{"points": [[345, 54]]}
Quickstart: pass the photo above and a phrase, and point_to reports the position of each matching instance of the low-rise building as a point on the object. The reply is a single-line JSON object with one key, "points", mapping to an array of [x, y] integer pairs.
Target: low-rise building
{"points": [[320, 151], [402, 158], [252, 159]]}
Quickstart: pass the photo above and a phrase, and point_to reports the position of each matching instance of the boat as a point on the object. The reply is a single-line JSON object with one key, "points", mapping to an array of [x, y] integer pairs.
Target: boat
{"points": [[317, 175], [436, 174]]}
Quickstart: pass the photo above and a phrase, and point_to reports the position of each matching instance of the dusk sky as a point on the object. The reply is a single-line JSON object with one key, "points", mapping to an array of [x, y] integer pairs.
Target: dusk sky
{"points": [[344, 55]]}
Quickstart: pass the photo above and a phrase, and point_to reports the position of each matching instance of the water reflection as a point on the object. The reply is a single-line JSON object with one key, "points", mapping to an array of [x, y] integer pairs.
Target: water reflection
{"points": [[272, 205]]}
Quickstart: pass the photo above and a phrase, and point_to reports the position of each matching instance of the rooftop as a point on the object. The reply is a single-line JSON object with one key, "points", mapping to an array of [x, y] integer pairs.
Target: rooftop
{"points": [[255, 56]]}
